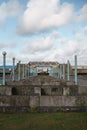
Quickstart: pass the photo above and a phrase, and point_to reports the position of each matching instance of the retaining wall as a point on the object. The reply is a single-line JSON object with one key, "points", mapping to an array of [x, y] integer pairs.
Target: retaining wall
{"points": [[82, 90], [43, 101]]}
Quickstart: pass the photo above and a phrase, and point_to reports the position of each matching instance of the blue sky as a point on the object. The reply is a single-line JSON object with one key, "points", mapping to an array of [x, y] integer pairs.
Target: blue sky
{"points": [[43, 30]]}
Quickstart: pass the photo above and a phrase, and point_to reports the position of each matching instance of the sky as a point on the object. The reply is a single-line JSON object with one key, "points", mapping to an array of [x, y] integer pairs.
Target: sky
{"points": [[43, 30]]}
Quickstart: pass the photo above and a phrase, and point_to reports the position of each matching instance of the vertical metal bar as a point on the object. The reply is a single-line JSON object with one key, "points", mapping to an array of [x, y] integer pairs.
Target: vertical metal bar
{"points": [[23, 71], [76, 82], [68, 70], [13, 76], [18, 71], [63, 71], [4, 67], [60, 71], [28, 70]]}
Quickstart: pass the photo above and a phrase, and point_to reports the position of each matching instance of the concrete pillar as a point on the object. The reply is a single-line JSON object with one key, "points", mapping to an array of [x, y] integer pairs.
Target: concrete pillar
{"points": [[76, 82], [19, 70], [68, 70], [28, 70], [4, 65], [63, 71], [13, 76], [57, 71], [60, 71], [23, 71]]}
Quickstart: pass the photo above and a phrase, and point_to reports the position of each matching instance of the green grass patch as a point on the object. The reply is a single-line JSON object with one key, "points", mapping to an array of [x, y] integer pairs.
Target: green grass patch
{"points": [[44, 121]]}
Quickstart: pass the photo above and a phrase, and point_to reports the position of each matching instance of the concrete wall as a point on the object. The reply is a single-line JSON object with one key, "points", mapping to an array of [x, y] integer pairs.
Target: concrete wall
{"points": [[24, 90], [48, 101], [34, 101], [40, 90], [16, 90], [37, 90], [5, 91], [14, 100], [82, 90], [54, 101]]}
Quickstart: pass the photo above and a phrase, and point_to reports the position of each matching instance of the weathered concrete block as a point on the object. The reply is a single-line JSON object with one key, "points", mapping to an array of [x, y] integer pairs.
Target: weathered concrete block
{"points": [[14, 100], [4, 90], [68, 83], [36, 83], [56, 91], [46, 83], [22, 90], [66, 91], [82, 90], [37, 90], [34, 101], [55, 83], [54, 101], [46, 91], [81, 101]]}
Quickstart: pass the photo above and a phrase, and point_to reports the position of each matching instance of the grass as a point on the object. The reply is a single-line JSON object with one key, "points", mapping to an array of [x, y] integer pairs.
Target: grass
{"points": [[44, 121]]}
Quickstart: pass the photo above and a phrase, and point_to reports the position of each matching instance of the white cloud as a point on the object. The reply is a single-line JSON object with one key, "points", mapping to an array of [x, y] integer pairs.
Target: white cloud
{"points": [[9, 9], [85, 29], [75, 46], [9, 45], [72, 47], [38, 45], [49, 48], [2, 45], [82, 14], [42, 15], [56, 47]]}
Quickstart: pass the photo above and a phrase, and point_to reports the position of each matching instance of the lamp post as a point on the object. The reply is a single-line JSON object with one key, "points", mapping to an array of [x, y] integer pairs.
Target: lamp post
{"points": [[19, 70], [28, 70], [4, 65], [76, 82], [60, 71], [23, 71], [63, 71], [13, 76], [68, 70]]}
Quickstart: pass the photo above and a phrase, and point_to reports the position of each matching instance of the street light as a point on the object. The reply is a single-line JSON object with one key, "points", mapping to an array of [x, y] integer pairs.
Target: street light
{"points": [[4, 65], [19, 70], [13, 76]]}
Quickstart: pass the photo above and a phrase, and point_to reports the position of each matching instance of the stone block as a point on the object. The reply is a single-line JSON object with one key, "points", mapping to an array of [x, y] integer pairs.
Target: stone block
{"points": [[56, 91], [55, 83], [37, 90], [68, 83], [34, 101], [66, 91], [4, 90], [82, 90], [36, 83], [46, 91]]}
